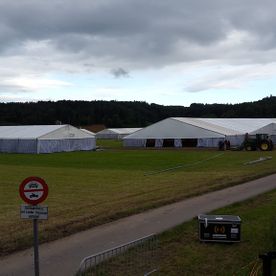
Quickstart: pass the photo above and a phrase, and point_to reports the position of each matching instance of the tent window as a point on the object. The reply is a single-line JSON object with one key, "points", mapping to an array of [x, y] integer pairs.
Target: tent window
{"points": [[189, 142], [150, 143], [168, 143]]}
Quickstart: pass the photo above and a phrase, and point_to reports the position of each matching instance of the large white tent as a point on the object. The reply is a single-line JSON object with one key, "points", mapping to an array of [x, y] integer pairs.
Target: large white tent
{"points": [[44, 139], [115, 133], [200, 132]]}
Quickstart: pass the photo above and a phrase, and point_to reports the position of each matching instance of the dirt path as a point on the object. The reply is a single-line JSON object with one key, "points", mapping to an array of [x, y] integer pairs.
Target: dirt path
{"points": [[62, 257]]}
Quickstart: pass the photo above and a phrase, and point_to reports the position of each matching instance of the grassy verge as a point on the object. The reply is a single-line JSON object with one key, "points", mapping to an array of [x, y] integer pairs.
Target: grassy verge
{"points": [[181, 253], [90, 188]]}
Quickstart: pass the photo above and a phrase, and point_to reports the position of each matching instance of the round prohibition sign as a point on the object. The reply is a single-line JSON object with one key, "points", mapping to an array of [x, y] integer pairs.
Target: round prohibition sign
{"points": [[33, 190]]}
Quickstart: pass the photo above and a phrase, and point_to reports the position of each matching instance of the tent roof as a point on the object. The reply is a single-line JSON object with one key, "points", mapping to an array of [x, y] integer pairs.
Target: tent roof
{"points": [[87, 131], [118, 130], [32, 131], [186, 127], [229, 126]]}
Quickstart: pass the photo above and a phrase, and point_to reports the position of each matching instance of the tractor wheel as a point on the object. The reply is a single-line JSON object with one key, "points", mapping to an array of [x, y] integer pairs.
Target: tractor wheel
{"points": [[264, 145]]}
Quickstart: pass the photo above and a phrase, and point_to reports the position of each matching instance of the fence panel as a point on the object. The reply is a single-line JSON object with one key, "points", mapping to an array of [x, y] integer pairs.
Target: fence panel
{"points": [[138, 257]]}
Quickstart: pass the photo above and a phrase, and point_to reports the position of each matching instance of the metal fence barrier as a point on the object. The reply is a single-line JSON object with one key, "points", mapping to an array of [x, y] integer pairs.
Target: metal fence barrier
{"points": [[138, 257]]}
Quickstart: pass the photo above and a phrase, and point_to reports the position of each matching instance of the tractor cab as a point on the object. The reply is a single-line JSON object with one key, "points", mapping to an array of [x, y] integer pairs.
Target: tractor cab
{"points": [[257, 141]]}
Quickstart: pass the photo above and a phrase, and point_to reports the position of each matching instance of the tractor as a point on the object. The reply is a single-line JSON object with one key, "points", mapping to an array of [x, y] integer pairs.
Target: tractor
{"points": [[257, 142]]}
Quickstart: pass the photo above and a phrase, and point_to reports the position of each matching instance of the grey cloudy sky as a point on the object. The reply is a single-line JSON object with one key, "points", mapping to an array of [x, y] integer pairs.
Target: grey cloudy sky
{"points": [[56, 49]]}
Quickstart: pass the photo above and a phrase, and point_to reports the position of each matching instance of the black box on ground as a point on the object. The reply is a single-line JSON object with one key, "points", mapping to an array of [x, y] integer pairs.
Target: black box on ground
{"points": [[219, 228]]}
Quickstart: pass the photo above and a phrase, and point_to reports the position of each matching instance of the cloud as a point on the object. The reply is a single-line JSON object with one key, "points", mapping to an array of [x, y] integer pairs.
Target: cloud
{"points": [[119, 73], [84, 37], [30, 83], [231, 77], [139, 33]]}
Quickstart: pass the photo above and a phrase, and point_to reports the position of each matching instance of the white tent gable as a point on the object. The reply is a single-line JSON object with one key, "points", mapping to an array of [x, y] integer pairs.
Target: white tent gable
{"points": [[67, 131], [173, 128]]}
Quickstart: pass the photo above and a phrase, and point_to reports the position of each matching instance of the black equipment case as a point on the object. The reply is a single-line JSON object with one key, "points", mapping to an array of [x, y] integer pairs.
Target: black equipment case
{"points": [[219, 228]]}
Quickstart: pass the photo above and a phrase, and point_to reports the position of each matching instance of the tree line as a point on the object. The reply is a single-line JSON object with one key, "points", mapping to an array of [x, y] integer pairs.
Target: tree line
{"points": [[125, 113]]}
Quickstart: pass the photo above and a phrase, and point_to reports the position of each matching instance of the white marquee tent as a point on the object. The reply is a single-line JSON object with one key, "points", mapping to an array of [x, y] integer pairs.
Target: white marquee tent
{"points": [[200, 132], [115, 133], [44, 139]]}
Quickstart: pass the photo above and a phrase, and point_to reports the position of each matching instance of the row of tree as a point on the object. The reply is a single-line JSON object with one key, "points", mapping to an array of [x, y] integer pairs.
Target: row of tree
{"points": [[125, 114]]}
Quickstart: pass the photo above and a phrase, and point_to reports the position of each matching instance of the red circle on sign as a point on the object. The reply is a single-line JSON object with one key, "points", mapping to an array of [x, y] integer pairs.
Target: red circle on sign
{"points": [[33, 190]]}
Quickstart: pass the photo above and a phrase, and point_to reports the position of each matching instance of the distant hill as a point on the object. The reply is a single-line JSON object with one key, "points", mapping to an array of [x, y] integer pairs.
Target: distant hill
{"points": [[124, 114]]}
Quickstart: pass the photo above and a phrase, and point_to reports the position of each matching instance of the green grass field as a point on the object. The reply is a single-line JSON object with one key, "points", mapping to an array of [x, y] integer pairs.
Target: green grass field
{"points": [[90, 188], [109, 144]]}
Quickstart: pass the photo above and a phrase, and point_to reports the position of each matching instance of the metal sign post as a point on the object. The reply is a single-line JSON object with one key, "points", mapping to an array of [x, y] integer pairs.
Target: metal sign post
{"points": [[36, 254], [34, 190]]}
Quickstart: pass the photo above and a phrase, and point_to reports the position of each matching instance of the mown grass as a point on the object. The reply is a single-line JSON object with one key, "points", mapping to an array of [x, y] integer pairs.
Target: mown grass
{"points": [[90, 188], [109, 144]]}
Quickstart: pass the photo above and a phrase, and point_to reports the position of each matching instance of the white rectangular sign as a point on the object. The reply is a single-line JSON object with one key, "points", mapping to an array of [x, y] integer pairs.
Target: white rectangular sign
{"points": [[33, 212]]}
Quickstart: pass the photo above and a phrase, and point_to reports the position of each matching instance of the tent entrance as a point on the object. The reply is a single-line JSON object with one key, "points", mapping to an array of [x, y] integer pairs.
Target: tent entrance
{"points": [[168, 143], [189, 143], [150, 143]]}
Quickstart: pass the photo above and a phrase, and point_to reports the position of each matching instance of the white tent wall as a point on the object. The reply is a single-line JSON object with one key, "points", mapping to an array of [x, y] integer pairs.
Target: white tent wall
{"points": [[138, 143], [177, 143], [201, 142], [59, 145], [27, 146], [159, 143], [66, 139], [8, 145], [18, 145], [235, 140], [209, 142]]}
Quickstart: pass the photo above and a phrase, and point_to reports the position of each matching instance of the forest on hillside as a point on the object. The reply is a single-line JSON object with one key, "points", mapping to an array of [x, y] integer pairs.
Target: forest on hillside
{"points": [[125, 113]]}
